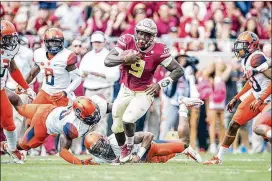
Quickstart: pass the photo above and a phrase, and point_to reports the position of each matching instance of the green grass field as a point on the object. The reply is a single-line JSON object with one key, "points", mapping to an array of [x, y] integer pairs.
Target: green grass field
{"points": [[240, 167]]}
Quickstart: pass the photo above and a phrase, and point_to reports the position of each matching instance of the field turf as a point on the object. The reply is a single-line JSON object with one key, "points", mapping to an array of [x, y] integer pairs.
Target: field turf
{"points": [[240, 167]]}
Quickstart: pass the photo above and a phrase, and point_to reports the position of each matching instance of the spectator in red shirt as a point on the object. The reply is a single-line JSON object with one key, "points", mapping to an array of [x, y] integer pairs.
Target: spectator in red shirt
{"points": [[236, 17], [252, 25], [139, 14], [165, 20], [98, 22], [116, 23]]}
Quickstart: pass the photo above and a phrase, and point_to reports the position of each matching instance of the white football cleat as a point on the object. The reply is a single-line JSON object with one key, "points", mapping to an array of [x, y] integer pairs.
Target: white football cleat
{"points": [[126, 153], [192, 154], [190, 102], [269, 169], [17, 156]]}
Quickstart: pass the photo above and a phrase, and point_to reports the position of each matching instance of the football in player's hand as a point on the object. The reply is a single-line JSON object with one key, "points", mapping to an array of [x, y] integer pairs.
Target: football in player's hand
{"points": [[131, 56], [128, 52]]}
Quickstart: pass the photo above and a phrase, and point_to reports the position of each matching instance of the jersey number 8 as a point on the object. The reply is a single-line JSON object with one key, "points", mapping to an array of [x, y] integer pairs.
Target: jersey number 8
{"points": [[137, 68], [49, 76], [255, 86]]}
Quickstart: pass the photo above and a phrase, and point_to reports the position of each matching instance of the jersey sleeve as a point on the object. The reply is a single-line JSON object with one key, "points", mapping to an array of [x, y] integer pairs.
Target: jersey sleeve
{"points": [[122, 43], [165, 57], [36, 57], [72, 59], [101, 102], [70, 131], [257, 60]]}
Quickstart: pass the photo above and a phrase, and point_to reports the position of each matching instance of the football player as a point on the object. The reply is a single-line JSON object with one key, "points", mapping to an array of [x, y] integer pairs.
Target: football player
{"points": [[106, 149], [58, 66], [72, 122], [9, 48], [246, 47], [138, 56]]}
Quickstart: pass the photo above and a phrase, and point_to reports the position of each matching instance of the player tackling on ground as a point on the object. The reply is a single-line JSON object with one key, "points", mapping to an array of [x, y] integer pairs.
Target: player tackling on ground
{"points": [[70, 122], [138, 56], [9, 48], [106, 149], [246, 47]]}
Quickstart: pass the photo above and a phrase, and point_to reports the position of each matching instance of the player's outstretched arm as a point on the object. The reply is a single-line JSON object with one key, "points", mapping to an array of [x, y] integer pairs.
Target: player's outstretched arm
{"points": [[33, 73], [114, 59], [65, 144], [145, 138], [18, 77]]}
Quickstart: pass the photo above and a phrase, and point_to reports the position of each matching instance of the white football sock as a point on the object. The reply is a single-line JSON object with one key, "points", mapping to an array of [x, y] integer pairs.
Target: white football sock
{"points": [[268, 134], [130, 140], [221, 152], [11, 139]]}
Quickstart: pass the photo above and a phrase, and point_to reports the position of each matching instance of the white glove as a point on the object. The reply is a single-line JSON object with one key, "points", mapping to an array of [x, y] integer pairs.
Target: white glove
{"points": [[31, 94]]}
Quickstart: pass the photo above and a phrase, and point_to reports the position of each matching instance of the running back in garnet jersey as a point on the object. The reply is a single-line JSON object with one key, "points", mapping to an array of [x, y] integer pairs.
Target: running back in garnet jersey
{"points": [[137, 76]]}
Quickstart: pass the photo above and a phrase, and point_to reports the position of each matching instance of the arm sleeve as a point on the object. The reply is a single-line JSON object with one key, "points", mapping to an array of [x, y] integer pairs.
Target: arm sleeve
{"points": [[76, 81], [72, 59], [165, 57], [246, 88]]}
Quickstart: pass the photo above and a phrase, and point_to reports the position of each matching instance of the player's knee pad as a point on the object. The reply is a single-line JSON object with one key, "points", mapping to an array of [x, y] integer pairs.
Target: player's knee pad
{"points": [[7, 123], [117, 126], [233, 128], [10, 127]]}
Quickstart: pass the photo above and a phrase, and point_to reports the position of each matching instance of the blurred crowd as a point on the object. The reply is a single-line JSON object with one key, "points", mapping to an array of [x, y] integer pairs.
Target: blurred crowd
{"points": [[88, 28]]}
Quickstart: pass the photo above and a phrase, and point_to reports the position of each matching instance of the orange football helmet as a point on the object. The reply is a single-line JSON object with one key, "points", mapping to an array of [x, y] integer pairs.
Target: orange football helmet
{"points": [[8, 35], [98, 145], [246, 43], [53, 40], [86, 110]]}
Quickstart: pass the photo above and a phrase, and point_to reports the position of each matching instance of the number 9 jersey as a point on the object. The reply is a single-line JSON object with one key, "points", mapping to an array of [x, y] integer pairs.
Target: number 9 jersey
{"points": [[140, 74], [258, 82], [55, 76]]}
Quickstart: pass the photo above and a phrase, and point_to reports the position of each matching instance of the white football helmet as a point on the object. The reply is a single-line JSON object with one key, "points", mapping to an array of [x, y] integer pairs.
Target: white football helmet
{"points": [[148, 26]]}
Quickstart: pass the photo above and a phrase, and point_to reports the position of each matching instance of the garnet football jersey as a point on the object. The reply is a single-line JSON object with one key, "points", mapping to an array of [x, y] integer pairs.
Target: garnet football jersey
{"points": [[55, 76], [140, 74], [258, 82]]}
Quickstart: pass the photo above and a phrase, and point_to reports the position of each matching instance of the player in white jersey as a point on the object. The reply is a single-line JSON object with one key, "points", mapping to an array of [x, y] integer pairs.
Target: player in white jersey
{"points": [[58, 67], [9, 48], [246, 47], [72, 122], [106, 149]]}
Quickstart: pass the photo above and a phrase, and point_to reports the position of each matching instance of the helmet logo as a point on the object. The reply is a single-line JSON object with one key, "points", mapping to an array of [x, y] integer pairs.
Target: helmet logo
{"points": [[147, 24], [78, 112]]}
